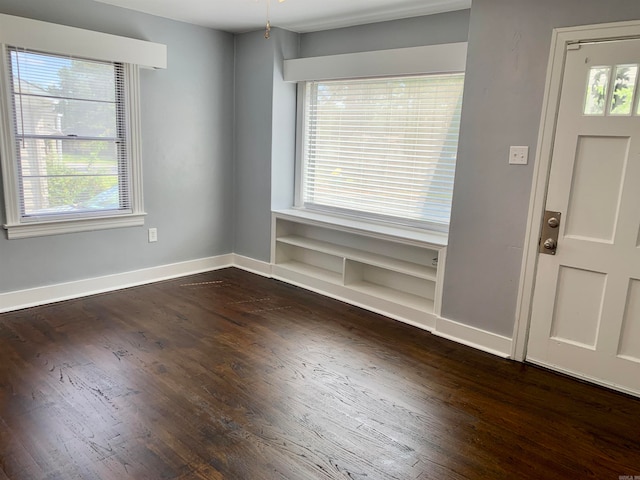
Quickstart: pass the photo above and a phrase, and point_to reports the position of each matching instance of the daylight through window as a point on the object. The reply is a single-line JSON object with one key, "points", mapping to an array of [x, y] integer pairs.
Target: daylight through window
{"points": [[70, 135], [383, 148]]}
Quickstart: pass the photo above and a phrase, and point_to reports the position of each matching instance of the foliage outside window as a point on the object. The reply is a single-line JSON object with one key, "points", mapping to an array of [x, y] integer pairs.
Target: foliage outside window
{"points": [[70, 149], [619, 91], [382, 148], [70, 135]]}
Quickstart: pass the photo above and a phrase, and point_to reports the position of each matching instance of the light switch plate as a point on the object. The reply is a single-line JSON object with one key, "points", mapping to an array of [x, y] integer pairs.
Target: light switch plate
{"points": [[518, 155]]}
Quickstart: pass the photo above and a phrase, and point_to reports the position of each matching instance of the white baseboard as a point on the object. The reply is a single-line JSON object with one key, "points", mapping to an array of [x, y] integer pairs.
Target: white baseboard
{"points": [[457, 332], [409, 316], [17, 300], [33, 297], [252, 265], [473, 337]]}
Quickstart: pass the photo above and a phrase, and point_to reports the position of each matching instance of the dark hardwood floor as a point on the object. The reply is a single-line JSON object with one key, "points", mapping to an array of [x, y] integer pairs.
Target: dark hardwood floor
{"points": [[228, 375]]}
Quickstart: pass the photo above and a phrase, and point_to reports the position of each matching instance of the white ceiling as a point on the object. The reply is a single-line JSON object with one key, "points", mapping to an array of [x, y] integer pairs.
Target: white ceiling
{"points": [[295, 15]]}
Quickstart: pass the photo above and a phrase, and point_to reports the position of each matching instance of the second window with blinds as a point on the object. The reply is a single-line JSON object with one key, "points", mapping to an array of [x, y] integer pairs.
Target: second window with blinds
{"points": [[382, 149], [71, 161]]}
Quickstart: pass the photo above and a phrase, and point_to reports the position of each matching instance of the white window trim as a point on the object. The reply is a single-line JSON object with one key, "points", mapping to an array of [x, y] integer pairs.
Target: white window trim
{"points": [[51, 38], [63, 40], [431, 59], [445, 58]]}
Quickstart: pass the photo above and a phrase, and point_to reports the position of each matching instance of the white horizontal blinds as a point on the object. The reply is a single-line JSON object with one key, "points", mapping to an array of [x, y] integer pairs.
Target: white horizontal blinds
{"points": [[383, 147], [69, 118]]}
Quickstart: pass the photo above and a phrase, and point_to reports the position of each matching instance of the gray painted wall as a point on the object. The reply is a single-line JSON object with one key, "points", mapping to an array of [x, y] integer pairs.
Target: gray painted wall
{"points": [[187, 129], [198, 196], [265, 138], [253, 101], [283, 148], [509, 43], [411, 32], [265, 109]]}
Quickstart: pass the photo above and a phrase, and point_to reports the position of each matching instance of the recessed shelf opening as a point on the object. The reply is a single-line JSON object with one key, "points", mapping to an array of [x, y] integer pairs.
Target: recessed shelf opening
{"points": [[390, 275]]}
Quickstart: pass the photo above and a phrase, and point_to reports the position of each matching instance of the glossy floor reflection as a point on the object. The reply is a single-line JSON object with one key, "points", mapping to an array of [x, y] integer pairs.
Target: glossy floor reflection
{"points": [[228, 375]]}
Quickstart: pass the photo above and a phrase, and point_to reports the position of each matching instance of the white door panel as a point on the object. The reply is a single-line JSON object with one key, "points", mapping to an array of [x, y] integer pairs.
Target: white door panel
{"points": [[629, 344], [586, 304]]}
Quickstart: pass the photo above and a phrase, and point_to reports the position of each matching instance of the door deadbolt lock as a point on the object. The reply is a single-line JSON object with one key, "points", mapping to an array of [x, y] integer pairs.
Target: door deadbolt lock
{"points": [[549, 234]]}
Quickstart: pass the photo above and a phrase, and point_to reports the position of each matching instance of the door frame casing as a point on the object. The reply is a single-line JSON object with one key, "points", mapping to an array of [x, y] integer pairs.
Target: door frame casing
{"points": [[561, 38]]}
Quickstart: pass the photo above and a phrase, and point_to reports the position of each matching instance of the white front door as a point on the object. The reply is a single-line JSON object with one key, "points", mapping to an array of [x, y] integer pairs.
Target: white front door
{"points": [[585, 314]]}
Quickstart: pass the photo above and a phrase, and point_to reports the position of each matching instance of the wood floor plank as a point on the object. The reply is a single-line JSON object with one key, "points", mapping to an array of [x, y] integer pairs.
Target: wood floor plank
{"points": [[228, 375]]}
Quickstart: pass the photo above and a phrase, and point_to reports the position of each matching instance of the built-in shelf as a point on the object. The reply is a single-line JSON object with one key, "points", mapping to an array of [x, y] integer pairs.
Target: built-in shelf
{"points": [[383, 261], [375, 268], [396, 296], [313, 271]]}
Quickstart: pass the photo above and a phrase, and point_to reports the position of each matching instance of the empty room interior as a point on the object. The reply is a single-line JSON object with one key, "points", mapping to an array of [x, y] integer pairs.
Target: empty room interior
{"points": [[292, 239]]}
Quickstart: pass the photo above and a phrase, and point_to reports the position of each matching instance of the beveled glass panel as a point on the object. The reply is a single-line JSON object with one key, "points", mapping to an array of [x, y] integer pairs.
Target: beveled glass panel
{"points": [[624, 87], [597, 87]]}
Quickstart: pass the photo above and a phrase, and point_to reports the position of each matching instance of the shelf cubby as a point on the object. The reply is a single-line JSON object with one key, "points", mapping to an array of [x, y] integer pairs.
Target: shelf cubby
{"points": [[385, 270]]}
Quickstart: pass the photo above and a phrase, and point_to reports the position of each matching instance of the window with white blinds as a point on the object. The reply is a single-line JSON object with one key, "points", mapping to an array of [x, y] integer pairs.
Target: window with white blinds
{"points": [[69, 119], [382, 148]]}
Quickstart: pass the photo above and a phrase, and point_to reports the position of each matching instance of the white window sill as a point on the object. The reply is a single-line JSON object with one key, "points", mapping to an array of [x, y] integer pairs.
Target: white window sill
{"points": [[376, 229], [40, 229]]}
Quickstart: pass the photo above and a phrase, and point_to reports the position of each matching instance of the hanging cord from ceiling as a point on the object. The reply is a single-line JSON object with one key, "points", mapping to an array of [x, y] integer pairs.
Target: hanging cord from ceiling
{"points": [[267, 30]]}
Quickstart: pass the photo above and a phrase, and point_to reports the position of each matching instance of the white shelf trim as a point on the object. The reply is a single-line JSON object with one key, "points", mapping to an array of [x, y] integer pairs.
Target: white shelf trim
{"points": [[400, 266], [394, 278], [311, 270], [396, 233], [422, 304]]}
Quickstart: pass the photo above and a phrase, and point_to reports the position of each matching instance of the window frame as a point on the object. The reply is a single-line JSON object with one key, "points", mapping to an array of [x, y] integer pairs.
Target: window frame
{"points": [[426, 60], [49, 38], [18, 226], [425, 223]]}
